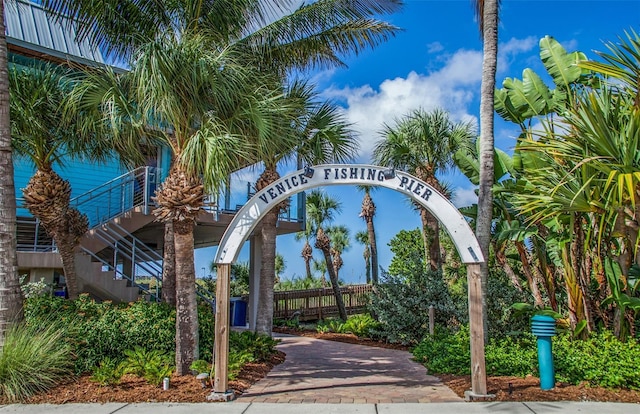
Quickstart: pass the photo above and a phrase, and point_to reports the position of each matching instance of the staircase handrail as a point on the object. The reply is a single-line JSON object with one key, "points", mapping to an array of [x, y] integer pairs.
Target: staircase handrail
{"points": [[126, 242], [118, 195], [146, 291]]}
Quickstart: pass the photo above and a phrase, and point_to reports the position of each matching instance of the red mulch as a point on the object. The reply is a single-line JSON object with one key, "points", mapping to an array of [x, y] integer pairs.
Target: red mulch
{"points": [[132, 389], [188, 389]]}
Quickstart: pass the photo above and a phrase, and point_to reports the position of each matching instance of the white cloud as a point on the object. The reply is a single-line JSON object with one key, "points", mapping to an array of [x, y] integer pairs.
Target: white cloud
{"points": [[463, 197], [509, 50], [452, 88], [435, 47]]}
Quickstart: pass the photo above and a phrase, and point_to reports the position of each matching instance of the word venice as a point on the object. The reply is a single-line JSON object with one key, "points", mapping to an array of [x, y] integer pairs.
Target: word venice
{"points": [[336, 175]]}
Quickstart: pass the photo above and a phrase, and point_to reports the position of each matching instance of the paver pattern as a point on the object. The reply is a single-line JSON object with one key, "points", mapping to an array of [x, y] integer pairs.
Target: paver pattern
{"points": [[320, 371]]}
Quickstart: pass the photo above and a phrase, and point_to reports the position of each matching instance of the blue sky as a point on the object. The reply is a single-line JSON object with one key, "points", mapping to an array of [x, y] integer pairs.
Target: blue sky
{"points": [[436, 61]]}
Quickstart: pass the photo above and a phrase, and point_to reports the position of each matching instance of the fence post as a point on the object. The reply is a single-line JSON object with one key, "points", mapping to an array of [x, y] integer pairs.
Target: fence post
{"points": [[432, 319]]}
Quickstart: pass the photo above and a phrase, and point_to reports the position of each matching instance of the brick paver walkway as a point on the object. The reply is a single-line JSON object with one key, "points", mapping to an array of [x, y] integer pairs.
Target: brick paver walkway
{"points": [[319, 371]]}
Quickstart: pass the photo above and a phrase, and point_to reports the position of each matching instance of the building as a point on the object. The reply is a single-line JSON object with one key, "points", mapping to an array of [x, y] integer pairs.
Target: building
{"points": [[124, 242]]}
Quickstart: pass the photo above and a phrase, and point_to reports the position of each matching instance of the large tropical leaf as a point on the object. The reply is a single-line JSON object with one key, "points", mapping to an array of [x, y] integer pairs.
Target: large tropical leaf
{"points": [[562, 66]]}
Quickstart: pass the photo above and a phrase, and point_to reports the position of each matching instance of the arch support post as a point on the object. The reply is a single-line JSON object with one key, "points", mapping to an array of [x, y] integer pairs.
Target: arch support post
{"points": [[221, 337], [476, 335]]}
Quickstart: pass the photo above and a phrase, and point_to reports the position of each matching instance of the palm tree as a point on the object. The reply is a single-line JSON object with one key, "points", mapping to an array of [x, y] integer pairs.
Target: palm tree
{"points": [[321, 266], [10, 293], [367, 213], [199, 111], [423, 143], [320, 135], [280, 265], [487, 15], [160, 35], [307, 250], [321, 208], [362, 237], [339, 236], [43, 133]]}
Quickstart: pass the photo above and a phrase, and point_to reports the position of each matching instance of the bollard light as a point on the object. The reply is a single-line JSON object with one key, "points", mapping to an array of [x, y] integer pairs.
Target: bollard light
{"points": [[544, 327]]}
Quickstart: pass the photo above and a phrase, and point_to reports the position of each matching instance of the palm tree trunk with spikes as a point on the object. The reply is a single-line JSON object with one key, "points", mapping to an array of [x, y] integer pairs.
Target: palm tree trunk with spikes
{"points": [[169, 266], [180, 200], [187, 316], [307, 255], [268, 231], [323, 243]]}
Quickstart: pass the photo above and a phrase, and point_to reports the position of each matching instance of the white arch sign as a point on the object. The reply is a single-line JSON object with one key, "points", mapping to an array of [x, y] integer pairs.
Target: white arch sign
{"points": [[340, 174]]}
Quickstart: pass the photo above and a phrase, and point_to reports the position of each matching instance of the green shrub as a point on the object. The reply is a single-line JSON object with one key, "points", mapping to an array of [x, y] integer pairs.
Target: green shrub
{"points": [[260, 347], [151, 365], [401, 304], [200, 366], [108, 372], [330, 325], [33, 359], [237, 359], [512, 355], [445, 352], [96, 331], [362, 325], [601, 360]]}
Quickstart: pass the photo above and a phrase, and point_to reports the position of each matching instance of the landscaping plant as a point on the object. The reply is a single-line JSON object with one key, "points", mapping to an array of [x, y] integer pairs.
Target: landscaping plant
{"points": [[33, 359], [108, 372]]}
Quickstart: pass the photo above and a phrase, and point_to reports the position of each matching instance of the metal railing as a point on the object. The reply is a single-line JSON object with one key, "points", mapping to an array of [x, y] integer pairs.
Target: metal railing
{"points": [[118, 196], [145, 261], [32, 237]]}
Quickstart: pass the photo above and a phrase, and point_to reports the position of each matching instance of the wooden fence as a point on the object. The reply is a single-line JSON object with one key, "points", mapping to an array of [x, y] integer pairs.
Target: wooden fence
{"points": [[314, 304]]}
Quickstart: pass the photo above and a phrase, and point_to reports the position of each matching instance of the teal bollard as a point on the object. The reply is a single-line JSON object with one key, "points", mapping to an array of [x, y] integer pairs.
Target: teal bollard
{"points": [[544, 327]]}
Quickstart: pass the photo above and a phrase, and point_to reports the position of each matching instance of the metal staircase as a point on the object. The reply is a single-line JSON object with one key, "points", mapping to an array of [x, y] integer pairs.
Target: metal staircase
{"points": [[125, 199]]}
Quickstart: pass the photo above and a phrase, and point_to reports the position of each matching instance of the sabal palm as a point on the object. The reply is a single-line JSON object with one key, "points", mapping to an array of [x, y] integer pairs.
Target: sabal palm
{"points": [[271, 34], [313, 35], [321, 209], [43, 133], [367, 212], [340, 242], [197, 103], [362, 237], [423, 143], [320, 134]]}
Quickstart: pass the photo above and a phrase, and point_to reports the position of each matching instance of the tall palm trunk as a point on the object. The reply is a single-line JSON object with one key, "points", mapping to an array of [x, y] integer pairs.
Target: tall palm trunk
{"points": [[187, 310], [489, 29], [373, 247], [264, 320], [431, 239], [10, 293], [269, 231], [323, 243], [67, 237], [180, 200], [368, 212], [307, 255], [47, 197], [366, 254], [169, 266]]}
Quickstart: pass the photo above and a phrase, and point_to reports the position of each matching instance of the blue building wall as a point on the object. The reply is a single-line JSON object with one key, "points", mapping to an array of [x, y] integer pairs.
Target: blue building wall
{"points": [[82, 175]]}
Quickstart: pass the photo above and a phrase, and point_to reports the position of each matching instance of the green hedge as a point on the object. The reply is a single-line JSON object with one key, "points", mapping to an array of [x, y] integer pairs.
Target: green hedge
{"points": [[601, 360], [97, 331]]}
